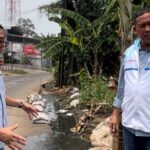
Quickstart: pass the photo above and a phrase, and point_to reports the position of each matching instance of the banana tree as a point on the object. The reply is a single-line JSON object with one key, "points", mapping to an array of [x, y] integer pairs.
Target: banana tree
{"points": [[86, 34], [125, 15], [85, 42], [68, 43]]}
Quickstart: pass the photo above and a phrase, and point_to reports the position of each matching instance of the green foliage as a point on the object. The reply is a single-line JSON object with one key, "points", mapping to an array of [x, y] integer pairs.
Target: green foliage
{"points": [[86, 36], [25, 60], [141, 2], [147, 2], [82, 21], [27, 27], [94, 88], [53, 71]]}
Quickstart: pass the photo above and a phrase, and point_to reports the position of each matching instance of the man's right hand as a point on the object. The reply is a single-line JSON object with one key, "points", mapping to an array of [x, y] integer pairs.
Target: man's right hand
{"points": [[12, 140], [115, 120]]}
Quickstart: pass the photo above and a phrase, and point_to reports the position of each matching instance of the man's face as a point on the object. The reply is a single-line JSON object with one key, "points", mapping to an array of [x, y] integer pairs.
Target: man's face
{"points": [[2, 39], [142, 28]]}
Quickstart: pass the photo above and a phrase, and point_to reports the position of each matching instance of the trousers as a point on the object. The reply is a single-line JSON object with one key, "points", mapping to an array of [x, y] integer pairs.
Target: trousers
{"points": [[133, 142]]}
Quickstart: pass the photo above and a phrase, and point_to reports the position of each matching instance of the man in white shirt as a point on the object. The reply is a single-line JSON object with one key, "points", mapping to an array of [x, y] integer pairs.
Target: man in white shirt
{"points": [[133, 92], [12, 140]]}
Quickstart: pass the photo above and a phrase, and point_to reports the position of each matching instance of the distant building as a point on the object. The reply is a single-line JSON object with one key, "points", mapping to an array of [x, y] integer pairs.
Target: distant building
{"points": [[19, 46], [35, 55]]}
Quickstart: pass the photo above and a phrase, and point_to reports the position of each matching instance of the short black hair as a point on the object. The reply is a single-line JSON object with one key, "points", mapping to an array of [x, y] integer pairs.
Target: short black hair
{"points": [[1, 27], [140, 13]]}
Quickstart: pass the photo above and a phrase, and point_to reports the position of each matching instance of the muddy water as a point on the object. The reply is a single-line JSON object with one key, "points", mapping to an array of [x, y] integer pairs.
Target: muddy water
{"points": [[60, 138]]}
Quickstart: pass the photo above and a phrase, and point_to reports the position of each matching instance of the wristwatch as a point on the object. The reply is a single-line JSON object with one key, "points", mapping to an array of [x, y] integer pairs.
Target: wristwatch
{"points": [[21, 104]]}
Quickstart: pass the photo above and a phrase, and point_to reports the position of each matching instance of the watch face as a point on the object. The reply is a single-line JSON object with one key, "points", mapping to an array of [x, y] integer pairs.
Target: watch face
{"points": [[21, 104]]}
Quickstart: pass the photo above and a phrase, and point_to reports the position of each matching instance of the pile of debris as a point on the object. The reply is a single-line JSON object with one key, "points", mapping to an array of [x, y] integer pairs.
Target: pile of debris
{"points": [[90, 119]]}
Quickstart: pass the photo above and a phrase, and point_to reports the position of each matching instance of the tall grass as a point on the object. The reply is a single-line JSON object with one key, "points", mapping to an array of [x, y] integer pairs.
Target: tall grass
{"points": [[94, 89]]}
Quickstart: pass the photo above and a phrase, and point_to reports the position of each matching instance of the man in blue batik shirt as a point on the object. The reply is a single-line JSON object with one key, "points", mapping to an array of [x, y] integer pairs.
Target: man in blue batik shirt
{"points": [[133, 92], [12, 140]]}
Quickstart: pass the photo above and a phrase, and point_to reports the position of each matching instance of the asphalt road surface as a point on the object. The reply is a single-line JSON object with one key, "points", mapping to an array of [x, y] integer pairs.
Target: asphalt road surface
{"points": [[23, 85]]}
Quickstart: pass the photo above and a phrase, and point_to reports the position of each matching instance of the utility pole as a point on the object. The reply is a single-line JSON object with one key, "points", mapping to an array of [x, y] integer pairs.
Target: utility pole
{"points": [[12, 11], [12, 14]]}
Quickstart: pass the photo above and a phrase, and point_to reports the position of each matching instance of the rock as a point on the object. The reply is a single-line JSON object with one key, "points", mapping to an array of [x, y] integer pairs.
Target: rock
{"points": [[75, 95], [44, 84], [99, 148], [101, 136], [43, 92], [48, 85], [74, 103]]}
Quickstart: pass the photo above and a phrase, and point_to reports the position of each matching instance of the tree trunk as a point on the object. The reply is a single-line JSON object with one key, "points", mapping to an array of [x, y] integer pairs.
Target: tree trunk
{"points": [[96, 63], [70, 68]]}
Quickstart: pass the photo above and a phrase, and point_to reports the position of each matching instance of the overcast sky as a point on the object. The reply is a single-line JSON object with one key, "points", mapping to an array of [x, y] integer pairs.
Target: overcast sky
{"points": [[29, 9]]}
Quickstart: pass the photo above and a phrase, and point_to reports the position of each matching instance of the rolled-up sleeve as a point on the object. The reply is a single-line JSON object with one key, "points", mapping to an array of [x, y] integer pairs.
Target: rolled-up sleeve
{"points": [[120, 89]]}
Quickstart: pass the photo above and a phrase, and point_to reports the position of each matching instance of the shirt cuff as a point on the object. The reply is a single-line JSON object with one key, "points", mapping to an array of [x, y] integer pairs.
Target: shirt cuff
{"points": [[117, 103]]}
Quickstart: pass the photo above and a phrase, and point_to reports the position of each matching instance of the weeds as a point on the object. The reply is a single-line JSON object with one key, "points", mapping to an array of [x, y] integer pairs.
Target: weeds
{"points": [[94, 89]]}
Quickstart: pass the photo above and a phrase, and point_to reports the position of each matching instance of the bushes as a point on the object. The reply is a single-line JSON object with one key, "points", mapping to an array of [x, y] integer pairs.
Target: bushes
{"points": [[94, 88]]}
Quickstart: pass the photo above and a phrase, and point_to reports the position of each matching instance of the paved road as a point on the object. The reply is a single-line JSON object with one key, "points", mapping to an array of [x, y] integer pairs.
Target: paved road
{"points": [[21, 87]]}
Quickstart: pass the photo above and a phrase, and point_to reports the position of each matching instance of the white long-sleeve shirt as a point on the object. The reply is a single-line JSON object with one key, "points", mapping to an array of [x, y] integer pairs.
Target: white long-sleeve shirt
{"points": [[144, 57]]}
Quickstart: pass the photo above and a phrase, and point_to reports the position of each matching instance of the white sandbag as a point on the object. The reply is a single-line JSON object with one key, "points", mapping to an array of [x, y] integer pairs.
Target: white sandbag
{"points": [[69, 114], [41, 103], [62, 111], [44, 100], [75, 95], [74, 103], [41, 118], [34, 97], [74, 90], [41, 122], [39, 108]]}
